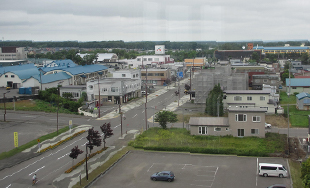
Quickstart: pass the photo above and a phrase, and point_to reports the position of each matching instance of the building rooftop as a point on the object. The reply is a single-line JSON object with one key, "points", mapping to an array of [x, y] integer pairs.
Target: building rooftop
{"points": [[298, 82], [250, 109], [302, 95], [246, 92], [215, 121]]}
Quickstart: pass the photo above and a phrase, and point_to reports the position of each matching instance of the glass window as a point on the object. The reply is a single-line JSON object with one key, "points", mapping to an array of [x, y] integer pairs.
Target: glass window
{"points": [[156, 74], [262, 98], [217, 129], [240, 132], [144, 59], [240, 117], [143, 74], [12, 76], [237, 98], [256, 118], [150, 74], [254, 131], [138, 59], [202, 130], [149, 59], [156, 59], [249, 98], [6, 76], [114, 89], [123, 75], [161, 74]]}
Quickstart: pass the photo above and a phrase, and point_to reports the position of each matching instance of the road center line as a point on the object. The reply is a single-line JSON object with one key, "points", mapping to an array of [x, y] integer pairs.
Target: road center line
{"points": [[36, 170]]}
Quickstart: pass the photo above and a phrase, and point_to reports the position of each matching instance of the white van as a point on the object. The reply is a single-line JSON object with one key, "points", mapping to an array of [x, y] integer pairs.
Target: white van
{"points": [[267, 169]]}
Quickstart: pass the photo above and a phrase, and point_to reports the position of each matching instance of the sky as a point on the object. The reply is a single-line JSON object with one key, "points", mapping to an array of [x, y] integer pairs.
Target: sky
{"points": [[154, 20]]}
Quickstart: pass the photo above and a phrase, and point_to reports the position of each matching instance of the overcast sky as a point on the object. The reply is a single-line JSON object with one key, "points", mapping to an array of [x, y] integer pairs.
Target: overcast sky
{"points": [[154, 20]]}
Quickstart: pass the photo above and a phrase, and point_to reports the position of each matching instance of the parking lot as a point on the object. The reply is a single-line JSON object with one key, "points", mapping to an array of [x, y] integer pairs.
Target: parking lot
{"points": [[214, 171]]}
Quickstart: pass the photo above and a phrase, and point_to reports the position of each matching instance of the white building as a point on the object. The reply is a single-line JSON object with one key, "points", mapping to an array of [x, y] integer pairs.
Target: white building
{"points": [[149, 60], [12, 53], [131, 73]]}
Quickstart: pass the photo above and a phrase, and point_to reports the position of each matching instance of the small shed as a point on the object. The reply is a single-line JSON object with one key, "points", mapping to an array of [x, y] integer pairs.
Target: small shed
{"points": [[303, 101]]}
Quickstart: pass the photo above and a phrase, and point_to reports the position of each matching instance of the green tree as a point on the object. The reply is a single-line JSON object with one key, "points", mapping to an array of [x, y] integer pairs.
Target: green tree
{"points": [[305, 60], [214, 101], [285, 75], [163, 117], [255, 56]]}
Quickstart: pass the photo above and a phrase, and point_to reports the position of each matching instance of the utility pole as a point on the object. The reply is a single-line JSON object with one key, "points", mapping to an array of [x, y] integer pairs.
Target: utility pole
{"points": [[288, 109], [179, 92], [99, 97], [121, 115], [4, 104], [145, 111]]}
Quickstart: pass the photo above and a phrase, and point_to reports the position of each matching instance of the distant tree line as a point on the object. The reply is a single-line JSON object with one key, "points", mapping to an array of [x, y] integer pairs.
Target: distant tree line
{"points": [[148, 45]]}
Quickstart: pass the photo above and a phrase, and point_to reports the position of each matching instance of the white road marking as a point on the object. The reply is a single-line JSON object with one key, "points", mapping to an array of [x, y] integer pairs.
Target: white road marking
{"points": [[116, 126], [63, 156], [36, 170], [8, 186], [134, 115]]}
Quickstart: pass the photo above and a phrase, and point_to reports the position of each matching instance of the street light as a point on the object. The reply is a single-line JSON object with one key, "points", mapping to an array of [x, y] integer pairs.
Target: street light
{"points": [[58, 102], [4, 103]]}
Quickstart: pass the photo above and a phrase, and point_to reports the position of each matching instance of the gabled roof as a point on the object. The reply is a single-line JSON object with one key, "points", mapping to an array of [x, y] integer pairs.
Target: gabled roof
{"points": [[298, 82], [22, 71], [211, 121], [60, 64], [302, 95], [85, 69], [51, 77]]}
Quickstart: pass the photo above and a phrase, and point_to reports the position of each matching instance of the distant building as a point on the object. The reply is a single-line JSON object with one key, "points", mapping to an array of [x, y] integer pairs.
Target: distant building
{"points": [[148, 60], [155, 76], [303, 101], [225, 55], [297, 85], [281, 50], [13, 53]]}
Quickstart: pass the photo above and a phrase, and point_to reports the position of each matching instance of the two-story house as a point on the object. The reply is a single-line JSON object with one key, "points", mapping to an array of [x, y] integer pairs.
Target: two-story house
{"points": [[240, 122], [250, 99]]}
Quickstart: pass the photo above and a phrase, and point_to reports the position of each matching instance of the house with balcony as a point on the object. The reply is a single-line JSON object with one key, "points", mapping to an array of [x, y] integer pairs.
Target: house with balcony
{"points": [[248, 99], [241, 122]]}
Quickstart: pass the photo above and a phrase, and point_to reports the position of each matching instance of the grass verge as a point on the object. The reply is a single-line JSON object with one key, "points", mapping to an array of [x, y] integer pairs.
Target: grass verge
{"points": [[180, 140], [295, 167], [21, 148], [94, 174], [298, 118]]}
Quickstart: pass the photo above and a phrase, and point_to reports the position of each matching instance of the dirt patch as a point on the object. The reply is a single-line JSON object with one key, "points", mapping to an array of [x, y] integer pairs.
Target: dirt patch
{"points": [[277, 121]]}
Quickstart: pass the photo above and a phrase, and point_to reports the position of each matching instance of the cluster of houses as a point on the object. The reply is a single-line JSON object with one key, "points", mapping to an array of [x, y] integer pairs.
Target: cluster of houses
{"points": [[250, 91]]}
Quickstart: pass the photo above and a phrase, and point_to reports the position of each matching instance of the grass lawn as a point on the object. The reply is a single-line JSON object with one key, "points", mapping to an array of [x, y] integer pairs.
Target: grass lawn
{"points": [[34, 105], [298, 118], [176, 139], [284, 99]]}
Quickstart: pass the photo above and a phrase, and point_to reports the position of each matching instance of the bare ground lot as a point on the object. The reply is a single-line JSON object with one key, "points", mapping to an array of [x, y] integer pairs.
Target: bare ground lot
{"points": [[209, 171]]}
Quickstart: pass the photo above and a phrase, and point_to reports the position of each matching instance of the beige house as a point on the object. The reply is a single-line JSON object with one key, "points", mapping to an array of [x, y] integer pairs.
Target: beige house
{"points": [[155, 76], [259, 80], [240, 122], [250, 99]]}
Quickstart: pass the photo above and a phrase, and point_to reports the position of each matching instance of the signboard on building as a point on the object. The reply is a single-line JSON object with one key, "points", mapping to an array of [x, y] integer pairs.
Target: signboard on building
{"points": [[160, 49]]}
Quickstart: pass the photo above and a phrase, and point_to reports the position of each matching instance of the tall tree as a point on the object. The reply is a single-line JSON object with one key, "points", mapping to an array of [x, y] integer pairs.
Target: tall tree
{"points": [[93, 138], [163, 117], [107, 132], [214, 102]]}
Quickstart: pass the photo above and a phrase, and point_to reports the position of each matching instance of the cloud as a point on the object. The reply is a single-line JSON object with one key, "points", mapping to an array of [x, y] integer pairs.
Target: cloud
{"points": [[172, 20]]}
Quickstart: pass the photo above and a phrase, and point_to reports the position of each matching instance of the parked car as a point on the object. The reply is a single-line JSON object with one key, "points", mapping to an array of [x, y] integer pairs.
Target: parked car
{"points": [[280, 86], [163, 176], [8, 88], [267, 125], [277, 186], [143, 93]]}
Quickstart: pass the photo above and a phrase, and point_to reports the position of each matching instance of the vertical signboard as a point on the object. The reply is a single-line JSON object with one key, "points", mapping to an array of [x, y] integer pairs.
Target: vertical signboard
{"points": [[16, 139], [160, 49]]}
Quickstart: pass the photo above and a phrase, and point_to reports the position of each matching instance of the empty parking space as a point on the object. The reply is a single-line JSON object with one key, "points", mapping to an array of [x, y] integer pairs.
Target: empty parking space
{"points": [[208, 171]]}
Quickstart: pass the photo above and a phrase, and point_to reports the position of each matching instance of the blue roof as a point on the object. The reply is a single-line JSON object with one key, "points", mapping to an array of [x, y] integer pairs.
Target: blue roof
{"points": [[22, 71], [281, 48], [61, 65], [80, 69], [298, 82], [302, 95], [52, 77]]}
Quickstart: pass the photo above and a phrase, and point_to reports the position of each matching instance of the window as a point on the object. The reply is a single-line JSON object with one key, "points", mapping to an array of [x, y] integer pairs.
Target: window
{"points": [[138, 59], [217, 129], [110, 98], [256, 118], [137, 75], [144, 59], [133, 76], [202, 130], [293, 87], [105, 89], [12, 76], [114, 89], [156, 59], [143, 74], [249, 98], [240, 117], [240, 132], [237, 98], [123, 75], [227, 129], [149, 59], [150, 74], [265, 80], [156, 74], [6, 76], [254, 131], [161, 74], [262, 98]]}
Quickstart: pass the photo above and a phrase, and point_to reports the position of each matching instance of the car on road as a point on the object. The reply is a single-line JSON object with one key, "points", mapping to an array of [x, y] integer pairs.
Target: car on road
{"points": [[163, 176], [277, 186], [267, 125]]}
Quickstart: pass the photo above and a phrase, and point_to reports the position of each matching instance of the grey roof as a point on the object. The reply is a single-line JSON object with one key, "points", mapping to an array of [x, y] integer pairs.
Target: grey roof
{"points": [[246, 92], [250, 109], [302, 95], [211, 121]]}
